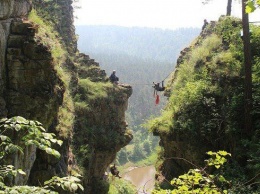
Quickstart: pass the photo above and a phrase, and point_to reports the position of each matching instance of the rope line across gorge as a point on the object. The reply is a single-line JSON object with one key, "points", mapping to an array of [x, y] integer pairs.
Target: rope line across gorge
{"points": [[151, 84]]}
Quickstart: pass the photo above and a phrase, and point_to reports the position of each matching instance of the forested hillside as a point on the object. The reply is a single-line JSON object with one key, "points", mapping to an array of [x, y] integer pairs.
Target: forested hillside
{"points": [[146, 43], [140, 56]]}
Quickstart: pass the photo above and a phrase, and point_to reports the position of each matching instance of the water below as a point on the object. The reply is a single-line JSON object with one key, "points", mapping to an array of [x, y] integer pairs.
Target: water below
{"points": [[142, 178]]}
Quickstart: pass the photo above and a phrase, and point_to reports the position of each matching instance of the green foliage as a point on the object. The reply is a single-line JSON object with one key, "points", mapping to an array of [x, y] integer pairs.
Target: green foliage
{"points": [[138, 152], [201, 53], [122, 156], [29, 133], [228, 28], [199, 180], [252, 5], [200, 79], [137, 42], [27, 190], [120, 186], [206, 106], [48, 37], [225, 63], [217, 158], [59, 15], [93, 90], [161, 124], [70, 183], [147, 147], [32, 133], [8, 171]]}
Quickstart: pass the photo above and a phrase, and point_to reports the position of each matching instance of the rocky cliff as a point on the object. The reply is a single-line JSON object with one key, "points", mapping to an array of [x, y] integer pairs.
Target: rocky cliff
{"points": [[205, 111], [43, 78]]}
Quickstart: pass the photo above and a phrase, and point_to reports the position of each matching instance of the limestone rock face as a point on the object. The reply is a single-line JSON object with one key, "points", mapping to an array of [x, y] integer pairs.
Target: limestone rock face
{"points": [[102, 127], [29, 85], [34, 91], [177, 148], [14, 8], [9, 9], [179, 145], [4, 30], [64, 19], [33, 88], [23, 76]]}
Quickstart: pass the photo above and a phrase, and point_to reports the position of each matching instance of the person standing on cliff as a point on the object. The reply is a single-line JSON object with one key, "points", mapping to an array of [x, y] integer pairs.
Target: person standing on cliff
{"points": [[205, 24], [113, 78]]}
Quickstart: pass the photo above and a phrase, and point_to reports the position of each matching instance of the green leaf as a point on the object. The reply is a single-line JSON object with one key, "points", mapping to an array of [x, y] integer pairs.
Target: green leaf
{"points": [[42, 129], [217, 166], [17, 127], [67, 184], [13, 192], [75, 179], [53, 140], [63, 187], [59, 142], [74, 186], [38, 123], [20, 171], [3, 137], [56, 153], [48, 150], [221, 178], [29, 142], [250, 7], [47, 135], [21, 120], [223, 153], [31, 123], [81, 187], [42, 147], [3, 120]]}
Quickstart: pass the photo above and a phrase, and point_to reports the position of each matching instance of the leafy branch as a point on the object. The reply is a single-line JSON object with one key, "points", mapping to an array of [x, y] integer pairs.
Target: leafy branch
{"points": [[29, 133], [199, 180]]}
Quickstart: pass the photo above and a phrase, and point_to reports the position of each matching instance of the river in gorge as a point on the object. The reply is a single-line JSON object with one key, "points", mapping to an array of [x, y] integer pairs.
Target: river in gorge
{"points": [[142, 178]]}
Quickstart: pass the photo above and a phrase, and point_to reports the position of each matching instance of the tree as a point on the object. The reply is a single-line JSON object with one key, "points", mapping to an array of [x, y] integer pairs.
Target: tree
{"points": [[138, 152], [248, 69], [122, 156], [229, 6], [147, 147]]}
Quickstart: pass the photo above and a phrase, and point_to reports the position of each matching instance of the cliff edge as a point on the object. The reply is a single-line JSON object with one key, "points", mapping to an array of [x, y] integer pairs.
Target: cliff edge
{"points": [[44, 78]]}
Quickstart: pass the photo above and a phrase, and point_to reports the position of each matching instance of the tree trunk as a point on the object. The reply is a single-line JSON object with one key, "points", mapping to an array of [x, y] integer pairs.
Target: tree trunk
{"points": [[248, 70], [229, 6]]}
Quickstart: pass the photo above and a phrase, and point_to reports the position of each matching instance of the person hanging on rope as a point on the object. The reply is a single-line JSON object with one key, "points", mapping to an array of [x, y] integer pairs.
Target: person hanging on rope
{"points": [[158, 88], [114, 171]]}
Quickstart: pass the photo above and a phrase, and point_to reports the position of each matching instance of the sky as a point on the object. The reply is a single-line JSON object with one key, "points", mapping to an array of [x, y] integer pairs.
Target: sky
{"points": [[165, 14]]}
